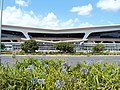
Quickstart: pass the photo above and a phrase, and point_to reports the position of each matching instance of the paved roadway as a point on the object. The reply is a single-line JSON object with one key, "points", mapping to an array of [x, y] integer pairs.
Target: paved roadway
{"points": [[69, 58]]}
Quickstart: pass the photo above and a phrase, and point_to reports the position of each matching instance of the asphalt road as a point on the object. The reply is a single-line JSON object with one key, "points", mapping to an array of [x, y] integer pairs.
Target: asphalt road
{"points": [[7, 59]]}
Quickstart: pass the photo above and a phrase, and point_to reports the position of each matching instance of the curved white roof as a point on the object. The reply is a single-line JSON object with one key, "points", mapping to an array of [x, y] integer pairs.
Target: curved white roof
{"points": [[86, 30], [62, 30]]}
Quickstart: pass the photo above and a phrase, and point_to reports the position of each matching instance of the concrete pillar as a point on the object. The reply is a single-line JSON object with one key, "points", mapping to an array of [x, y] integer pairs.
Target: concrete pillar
{"points": [[86, 35], [26, 35]]}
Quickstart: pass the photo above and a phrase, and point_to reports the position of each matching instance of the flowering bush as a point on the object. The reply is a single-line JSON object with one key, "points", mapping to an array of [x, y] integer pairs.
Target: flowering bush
{"points": [[33, 74]]}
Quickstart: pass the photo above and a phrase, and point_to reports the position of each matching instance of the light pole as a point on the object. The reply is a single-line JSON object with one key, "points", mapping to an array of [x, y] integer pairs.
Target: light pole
{"points": [[1, 10]]}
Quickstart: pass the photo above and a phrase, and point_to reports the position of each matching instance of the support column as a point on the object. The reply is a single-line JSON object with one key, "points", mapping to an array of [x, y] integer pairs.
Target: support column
{"points": [[86, 35], [26, 35]]}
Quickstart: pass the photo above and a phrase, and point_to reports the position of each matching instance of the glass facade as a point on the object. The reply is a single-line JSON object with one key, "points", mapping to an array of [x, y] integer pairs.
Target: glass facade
{"points": [[46, 46], [110, 39], [69, 35], [87, 47], [109, 34], [11, 34]]}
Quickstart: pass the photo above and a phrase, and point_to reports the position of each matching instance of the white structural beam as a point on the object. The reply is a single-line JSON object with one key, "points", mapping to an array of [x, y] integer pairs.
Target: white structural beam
{"points": [[61, 31], [86, 30]]}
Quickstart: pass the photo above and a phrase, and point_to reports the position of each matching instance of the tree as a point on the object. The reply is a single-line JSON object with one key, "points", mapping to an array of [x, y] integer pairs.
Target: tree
{"points": [[2, 46], [64, 47], [98, 48], [29, 46]]}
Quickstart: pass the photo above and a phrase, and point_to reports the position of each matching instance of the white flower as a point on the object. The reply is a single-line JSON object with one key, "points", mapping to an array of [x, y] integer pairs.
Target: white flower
{"points": [[102, 67], [59, 84], [40, 81], [84, 71], [46, 65], [30, 68], [37, 81], [63, 68], [65, 63], [73, 79], [43, 73], [113, 71]]}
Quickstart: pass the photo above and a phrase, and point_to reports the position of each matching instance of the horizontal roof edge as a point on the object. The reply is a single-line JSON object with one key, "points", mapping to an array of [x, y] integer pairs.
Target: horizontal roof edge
{"points": [[76, 28]]}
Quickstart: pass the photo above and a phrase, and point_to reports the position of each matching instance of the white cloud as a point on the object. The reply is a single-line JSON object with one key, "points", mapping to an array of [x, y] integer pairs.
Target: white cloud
{"points": [[82, 10], [109, 5], [18, 17], [70, 23], [50, 20], [85, 24], [22, 2], [15, 16]]}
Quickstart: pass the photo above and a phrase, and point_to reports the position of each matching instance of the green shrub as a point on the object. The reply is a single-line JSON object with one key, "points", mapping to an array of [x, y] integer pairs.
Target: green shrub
{"points": [[98, 48], [2, 46], [20, 53], [29, 46], [7, 52], [32, 74], [65, 47]]}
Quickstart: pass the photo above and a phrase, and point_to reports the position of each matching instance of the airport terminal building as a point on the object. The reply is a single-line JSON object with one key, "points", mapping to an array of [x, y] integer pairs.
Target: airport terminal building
{"points": [[84, 38]]}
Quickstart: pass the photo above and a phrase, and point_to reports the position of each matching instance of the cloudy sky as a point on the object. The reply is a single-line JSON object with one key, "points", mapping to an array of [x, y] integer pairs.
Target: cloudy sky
{"points": [[61, 13]]}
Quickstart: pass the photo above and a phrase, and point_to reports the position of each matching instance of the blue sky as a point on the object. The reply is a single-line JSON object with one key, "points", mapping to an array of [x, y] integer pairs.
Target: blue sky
{"points": [[61, 13]]}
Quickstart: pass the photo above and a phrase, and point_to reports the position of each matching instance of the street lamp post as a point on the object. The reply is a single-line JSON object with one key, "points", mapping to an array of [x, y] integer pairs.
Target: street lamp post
{"points": [[1, 9]]}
